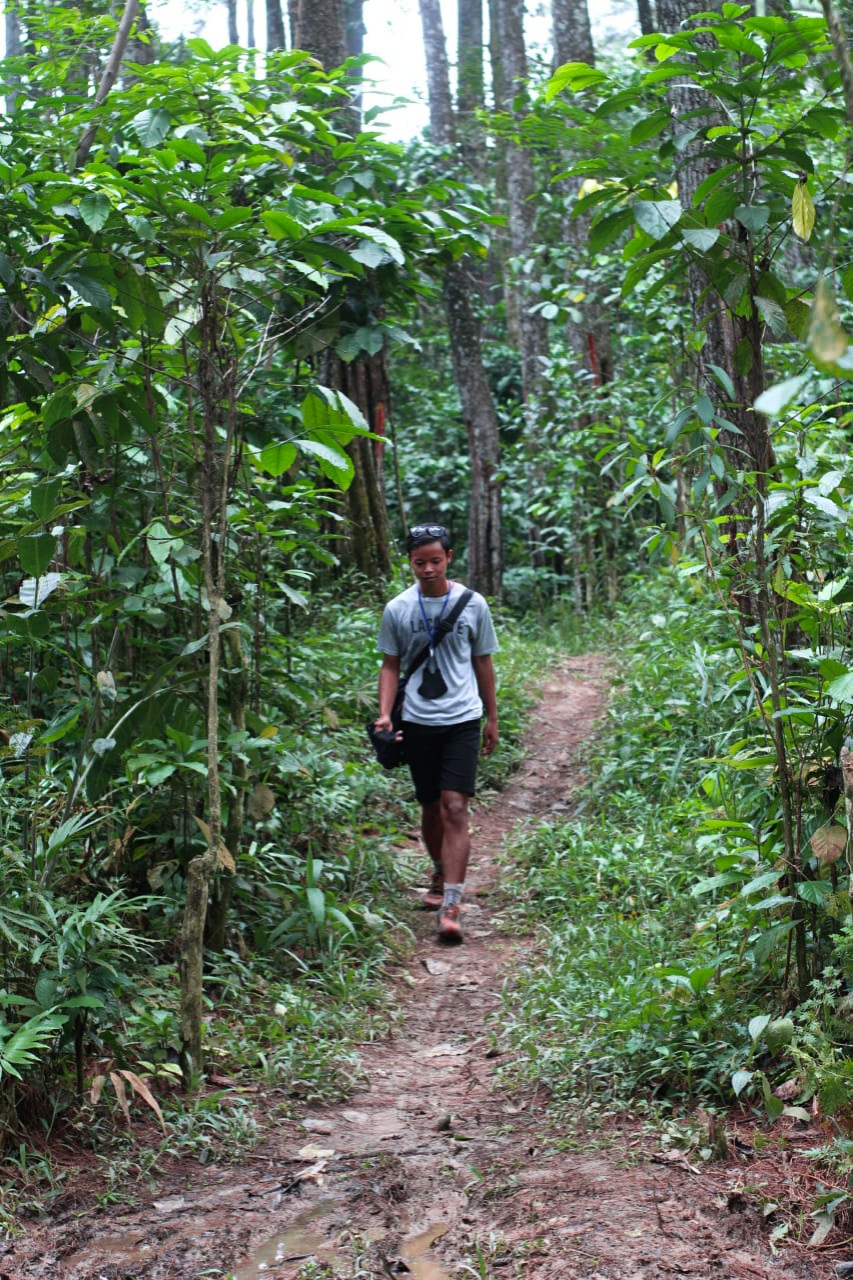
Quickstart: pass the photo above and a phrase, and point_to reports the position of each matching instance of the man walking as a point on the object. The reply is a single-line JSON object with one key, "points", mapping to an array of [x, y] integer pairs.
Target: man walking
{"points": [[443, 708]]}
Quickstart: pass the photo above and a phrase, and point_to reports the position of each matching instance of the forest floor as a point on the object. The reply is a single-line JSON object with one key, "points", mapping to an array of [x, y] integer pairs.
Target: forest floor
{"points": [[432, 1167]]}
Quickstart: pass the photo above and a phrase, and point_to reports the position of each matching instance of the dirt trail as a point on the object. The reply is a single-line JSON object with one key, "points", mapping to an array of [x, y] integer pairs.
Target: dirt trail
{"points": [[428, 1159]]}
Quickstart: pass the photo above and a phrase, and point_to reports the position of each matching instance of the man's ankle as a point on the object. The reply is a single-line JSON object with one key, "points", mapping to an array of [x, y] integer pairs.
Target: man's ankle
{"points": [[452, 894]]}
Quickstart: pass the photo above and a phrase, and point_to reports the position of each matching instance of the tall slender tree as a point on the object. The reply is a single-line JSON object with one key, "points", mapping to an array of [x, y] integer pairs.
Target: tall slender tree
{"points": [[275, 25], [484, 522]]}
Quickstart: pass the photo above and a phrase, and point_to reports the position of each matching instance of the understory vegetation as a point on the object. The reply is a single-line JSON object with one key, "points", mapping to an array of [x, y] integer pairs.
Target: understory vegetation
{"points": [[666, 973]]}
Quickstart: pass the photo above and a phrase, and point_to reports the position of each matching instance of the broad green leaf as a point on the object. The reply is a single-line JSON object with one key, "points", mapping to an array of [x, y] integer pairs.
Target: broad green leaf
{"points": [[275, 459], [95, 209], [752, 216], [803, 211], [333, 462], [657, 217], [815, 892], [841, 688], [35, 552], [280, 225], [382, 238], [757, 1025], [43, 498], [701, 238], [650, 127], [151, 126], [740, 1080], [772, 314], [90, 291]]}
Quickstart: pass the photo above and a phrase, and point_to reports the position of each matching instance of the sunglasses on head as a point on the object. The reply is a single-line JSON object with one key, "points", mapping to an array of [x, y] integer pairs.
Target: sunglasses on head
{"points": [[427, 531]]}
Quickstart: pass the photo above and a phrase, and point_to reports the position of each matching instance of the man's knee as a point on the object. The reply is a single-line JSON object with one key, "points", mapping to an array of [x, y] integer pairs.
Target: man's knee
{"points": [[454, 808]]}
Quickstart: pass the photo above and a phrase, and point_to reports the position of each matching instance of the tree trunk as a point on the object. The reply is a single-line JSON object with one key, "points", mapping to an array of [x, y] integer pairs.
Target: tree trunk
{"points": [[275, 26], [13, 48], [442, 124], [484, 520], [108, 79], [233, 33], [571, 32], [521, 191], [470, 93], [322, 31], [250, 24], [646, 16]]}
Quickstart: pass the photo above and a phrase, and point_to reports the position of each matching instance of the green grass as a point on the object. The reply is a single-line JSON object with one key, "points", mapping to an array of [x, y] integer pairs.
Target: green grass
{"points": [[625, 997]]}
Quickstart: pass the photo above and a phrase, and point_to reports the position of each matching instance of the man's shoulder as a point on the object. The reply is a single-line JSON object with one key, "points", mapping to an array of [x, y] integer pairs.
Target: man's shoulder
{"points": [[407, 597]]}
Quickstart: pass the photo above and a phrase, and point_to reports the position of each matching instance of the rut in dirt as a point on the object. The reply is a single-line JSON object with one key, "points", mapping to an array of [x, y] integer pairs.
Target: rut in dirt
{"points": [[431, 1167]]}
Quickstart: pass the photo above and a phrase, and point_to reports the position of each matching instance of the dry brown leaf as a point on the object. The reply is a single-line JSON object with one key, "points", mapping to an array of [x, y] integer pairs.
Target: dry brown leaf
{"points": [[828, 843], [121, 1094], [261, 802], [97, 1089], [140, 1087], [224, 855]]}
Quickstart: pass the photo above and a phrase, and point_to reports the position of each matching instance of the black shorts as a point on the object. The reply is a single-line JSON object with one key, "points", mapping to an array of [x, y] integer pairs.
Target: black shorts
{"points": [[442, 757]]}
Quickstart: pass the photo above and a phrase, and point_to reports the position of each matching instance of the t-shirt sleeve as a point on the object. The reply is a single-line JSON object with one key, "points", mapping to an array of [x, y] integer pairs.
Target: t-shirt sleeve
{"points": [[484, 639], [388, 639]]}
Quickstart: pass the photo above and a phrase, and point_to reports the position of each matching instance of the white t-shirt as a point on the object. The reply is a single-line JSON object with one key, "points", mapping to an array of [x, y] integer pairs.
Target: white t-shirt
{"points": [[403, 634]]}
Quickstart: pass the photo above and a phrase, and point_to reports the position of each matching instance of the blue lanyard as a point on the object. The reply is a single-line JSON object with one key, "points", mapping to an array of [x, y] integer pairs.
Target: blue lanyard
{"points": [[432, 630]]}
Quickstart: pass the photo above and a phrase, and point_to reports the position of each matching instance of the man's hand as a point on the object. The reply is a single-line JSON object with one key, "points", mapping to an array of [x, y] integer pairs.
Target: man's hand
{"points": [[383, 725], [490, 736]]}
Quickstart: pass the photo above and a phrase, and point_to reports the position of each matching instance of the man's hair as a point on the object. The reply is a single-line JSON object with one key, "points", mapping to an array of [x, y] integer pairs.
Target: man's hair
{"points": [[420, 534]]}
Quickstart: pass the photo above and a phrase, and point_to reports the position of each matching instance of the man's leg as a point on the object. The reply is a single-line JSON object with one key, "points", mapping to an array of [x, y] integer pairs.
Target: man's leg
{"points": [[456, 842], [432, 830], [455, 848]]}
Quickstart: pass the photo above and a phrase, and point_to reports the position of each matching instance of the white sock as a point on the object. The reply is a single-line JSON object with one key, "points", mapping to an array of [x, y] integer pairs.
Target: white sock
{"points": [[452, 894]]}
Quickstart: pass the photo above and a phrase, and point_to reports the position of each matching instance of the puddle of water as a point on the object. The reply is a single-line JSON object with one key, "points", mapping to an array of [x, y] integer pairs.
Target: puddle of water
{"points": [[415, 1252], [297, 1242]]}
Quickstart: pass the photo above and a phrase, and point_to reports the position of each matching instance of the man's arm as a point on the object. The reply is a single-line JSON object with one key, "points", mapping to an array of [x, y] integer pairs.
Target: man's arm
{"points": [[389, 678], [485, 672]]}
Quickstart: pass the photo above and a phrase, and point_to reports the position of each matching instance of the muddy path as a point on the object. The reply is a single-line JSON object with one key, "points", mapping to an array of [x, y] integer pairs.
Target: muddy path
{"points": [[431, 1169]]}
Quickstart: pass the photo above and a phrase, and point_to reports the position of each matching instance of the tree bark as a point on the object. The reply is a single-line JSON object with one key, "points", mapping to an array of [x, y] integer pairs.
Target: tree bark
{"points": [[571, 31], [470, 91], [275, 26], [459, 286], [108, 79], [521, 191], [233, 33], [646, 16], [442, 123], [13, 48], [324, 33]]}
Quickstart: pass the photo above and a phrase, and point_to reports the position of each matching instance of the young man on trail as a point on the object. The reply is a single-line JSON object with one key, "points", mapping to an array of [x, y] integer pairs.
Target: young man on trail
{"points": [[443, 708]]}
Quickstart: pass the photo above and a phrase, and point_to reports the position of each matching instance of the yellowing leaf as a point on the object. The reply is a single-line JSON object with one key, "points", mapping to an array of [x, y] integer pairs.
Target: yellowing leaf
{"points": [[589, 185], [827, 339], [331, 718], [828, 843], [803, 211]]}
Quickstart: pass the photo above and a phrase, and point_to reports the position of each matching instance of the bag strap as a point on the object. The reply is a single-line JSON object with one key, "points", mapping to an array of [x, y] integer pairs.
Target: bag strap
{"points": [[441, 631]]}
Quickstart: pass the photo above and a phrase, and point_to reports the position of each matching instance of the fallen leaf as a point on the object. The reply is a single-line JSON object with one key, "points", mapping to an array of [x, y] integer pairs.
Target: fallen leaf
{"points": [[444, 1051], [436, 966], [317, 1126], [313, 1152], [355, 1117]]}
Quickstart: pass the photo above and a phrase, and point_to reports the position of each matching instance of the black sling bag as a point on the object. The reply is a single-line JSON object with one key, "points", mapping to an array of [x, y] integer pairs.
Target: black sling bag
{"points": [[388, 751]]}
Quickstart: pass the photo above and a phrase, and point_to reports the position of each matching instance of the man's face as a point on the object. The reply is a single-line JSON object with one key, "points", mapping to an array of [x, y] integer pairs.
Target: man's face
{"points": [[429, 565]]}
